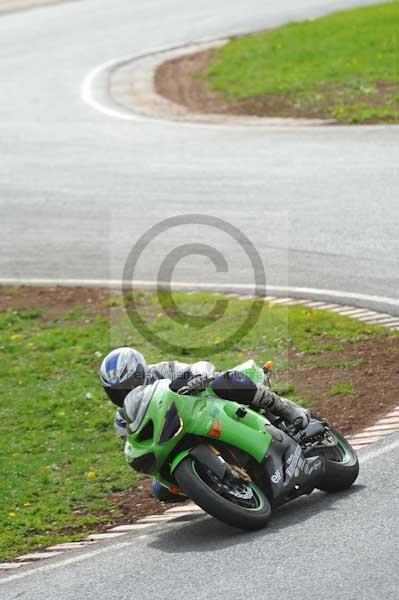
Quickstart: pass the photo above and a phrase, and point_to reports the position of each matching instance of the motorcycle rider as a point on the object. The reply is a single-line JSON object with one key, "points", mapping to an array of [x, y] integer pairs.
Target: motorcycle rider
{"points": [[124, 375]]}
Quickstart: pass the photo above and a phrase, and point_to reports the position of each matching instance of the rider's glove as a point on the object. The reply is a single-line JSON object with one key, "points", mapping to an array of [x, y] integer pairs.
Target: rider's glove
{"points": [[290, 412], [196, 384]]}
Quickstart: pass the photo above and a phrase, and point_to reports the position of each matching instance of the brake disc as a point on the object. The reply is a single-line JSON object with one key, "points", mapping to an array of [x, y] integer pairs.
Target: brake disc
{"points": [[244, 492]]}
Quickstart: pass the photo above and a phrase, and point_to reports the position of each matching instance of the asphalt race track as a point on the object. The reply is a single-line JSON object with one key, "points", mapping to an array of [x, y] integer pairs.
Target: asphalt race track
{"points": [[78, 188], [322, 546], [321, 205]]}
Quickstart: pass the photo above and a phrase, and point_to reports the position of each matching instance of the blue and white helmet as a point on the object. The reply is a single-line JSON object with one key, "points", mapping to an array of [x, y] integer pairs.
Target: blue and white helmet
{"points": [[122, 370]]}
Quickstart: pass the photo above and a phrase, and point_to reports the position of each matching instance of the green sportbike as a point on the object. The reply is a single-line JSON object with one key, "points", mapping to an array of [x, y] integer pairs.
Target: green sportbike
{"points": [[230, 460]]}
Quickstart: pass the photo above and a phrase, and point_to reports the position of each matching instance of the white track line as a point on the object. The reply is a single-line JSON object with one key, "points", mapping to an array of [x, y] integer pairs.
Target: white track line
{"points": [[97, 82], [370, 454], [92, 82], [67, 561]]}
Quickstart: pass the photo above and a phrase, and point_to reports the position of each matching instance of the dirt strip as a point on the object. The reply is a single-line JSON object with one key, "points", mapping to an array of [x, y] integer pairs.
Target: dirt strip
{"points": [[183, 81]]}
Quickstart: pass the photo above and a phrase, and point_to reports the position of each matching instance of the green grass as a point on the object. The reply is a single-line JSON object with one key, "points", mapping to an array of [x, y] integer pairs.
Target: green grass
{"points": [[345, 65], [342, 389], [58, 451]]}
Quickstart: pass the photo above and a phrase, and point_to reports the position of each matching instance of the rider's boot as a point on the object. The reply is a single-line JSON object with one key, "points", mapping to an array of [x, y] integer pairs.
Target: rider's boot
{"points": [[280, 407], [163, 494]]}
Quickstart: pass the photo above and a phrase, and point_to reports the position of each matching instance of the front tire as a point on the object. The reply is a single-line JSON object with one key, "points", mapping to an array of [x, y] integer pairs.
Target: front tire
{"points": [[341, 471], [192, 478]]}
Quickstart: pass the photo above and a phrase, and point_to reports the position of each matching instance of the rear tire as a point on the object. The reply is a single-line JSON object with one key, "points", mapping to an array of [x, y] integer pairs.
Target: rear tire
{"points": [[340, 475], [218, 506]]}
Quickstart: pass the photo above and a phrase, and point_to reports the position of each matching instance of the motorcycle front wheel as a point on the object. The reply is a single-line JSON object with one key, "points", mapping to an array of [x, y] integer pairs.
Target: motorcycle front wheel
{"points": [[240, 504]]}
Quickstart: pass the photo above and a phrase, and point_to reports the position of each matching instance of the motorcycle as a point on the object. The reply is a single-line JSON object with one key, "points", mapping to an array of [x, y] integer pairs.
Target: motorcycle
{"points": [[230, 460]]}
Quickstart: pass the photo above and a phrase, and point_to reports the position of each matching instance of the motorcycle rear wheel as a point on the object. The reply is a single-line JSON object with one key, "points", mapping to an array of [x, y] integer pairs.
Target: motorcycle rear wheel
{"points": [[252, 511], [342, 469]]}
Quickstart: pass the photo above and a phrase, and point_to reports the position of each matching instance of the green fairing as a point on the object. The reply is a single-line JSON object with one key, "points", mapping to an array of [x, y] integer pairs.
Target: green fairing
{"points": [[197, 415]]}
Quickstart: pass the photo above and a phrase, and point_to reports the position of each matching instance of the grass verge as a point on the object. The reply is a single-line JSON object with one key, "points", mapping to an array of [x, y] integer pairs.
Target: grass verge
{"points": [[343, 66], [60, 460]]}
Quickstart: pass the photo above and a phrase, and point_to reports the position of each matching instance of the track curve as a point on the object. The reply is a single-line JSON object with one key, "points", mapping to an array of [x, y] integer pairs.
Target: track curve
{"points": [[78, 187]]}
